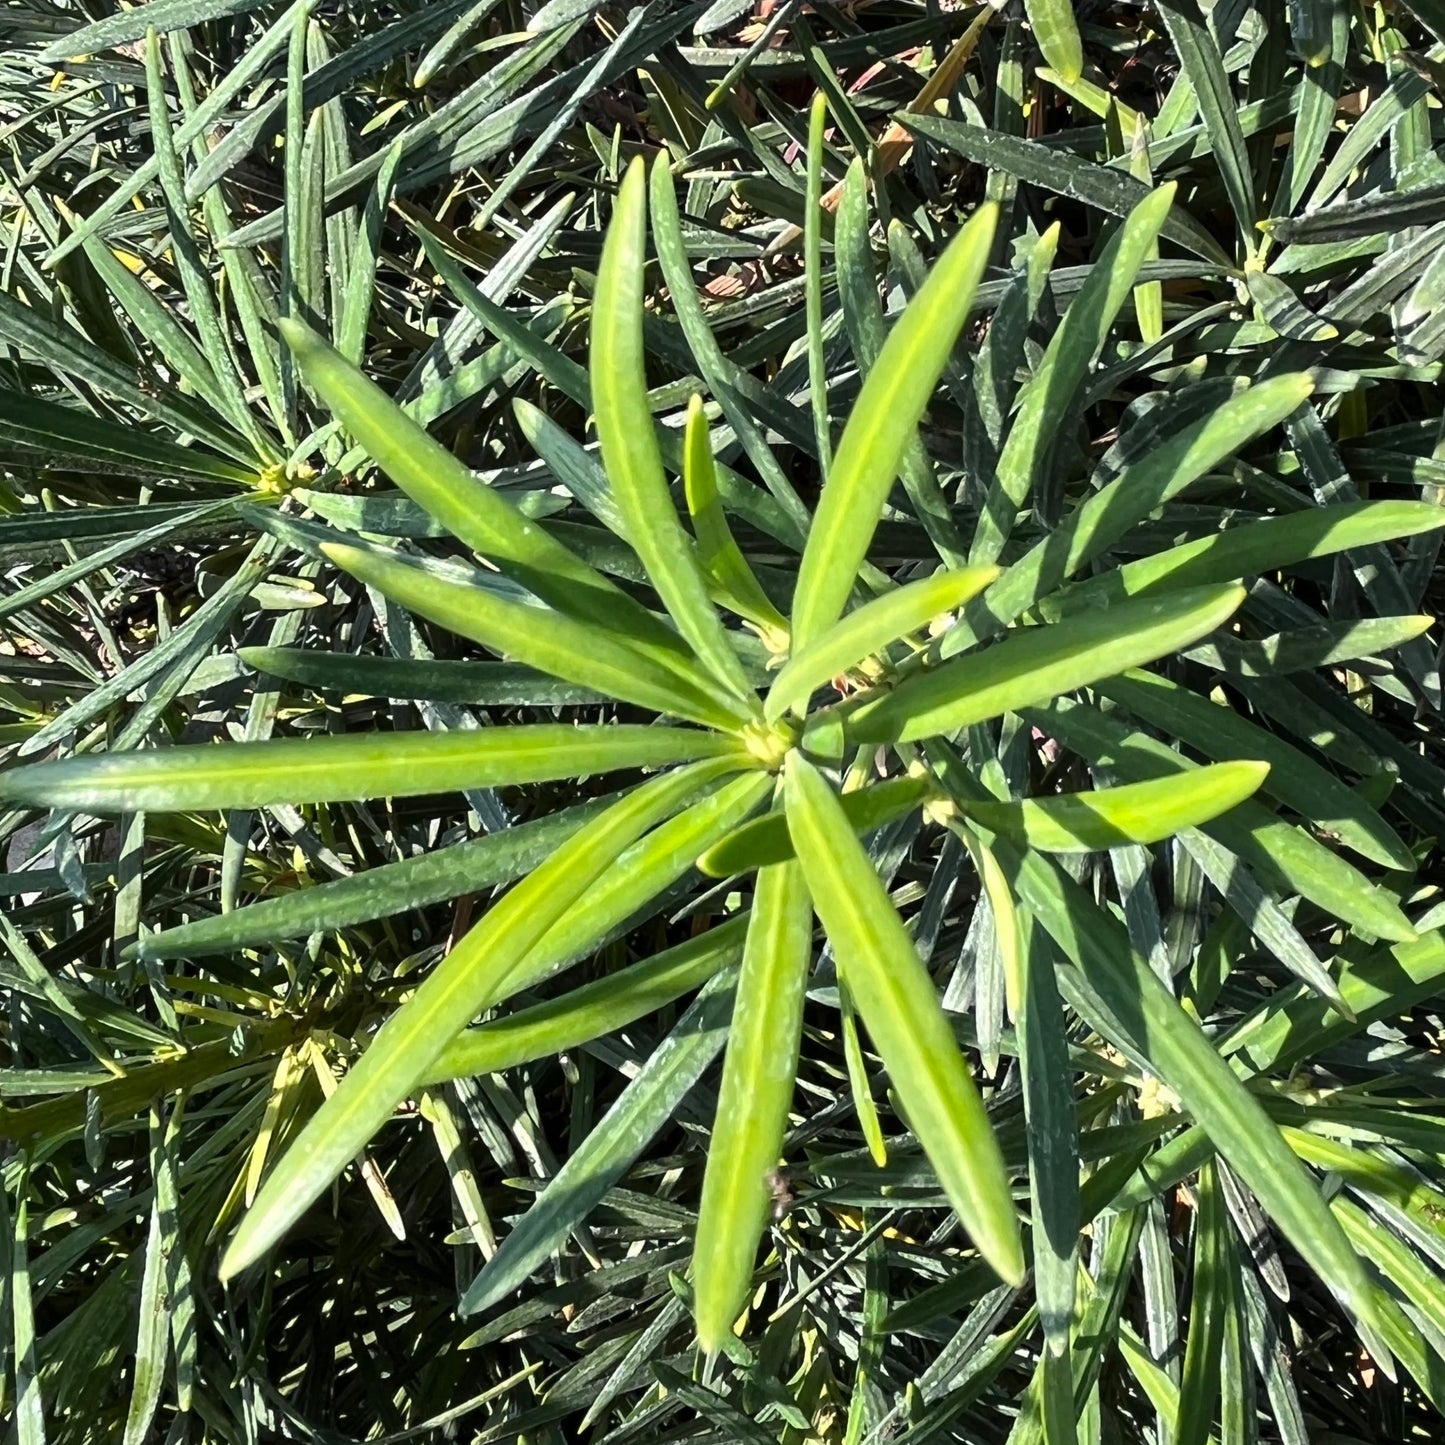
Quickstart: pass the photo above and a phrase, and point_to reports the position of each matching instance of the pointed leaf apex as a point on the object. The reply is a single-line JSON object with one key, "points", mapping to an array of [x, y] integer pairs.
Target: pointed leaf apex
{"points": [[296, 334]]}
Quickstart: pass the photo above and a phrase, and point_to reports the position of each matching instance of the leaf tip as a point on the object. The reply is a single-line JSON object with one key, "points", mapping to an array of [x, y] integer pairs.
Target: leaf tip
{"points": [[296, 334], [349, 559], [240, 1254], [634, 182]]}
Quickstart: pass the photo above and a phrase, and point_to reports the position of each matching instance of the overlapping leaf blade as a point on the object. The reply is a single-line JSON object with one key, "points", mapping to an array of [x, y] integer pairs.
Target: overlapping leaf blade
{"points": [[896, 999], [446, 1002], [881, 426]]}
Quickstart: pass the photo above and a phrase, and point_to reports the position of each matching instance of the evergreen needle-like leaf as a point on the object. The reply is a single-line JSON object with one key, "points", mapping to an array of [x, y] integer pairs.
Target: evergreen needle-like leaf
{"points": [[1036, 663], [1133, 813], [896, 999], [552, 642], [881, 426], [753, 1102], [413, 1038], [629, 445], [473, 512]]}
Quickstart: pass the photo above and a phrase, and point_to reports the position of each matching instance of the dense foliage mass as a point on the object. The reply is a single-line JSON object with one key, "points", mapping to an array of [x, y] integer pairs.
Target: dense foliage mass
{"points": [[722, 721]]}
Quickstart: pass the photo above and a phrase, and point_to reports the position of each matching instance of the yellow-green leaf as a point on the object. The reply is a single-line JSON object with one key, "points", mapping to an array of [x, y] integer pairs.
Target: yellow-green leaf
{"points": [[346, 769], [1057, 32], [717, 550], [445, 1003], [753, 1102], [898, 1003], [1036, 663], [549, 641], [870, 629], [629, 444], [471, 511], [594, 1009], [881, 426], [1134, 813]]}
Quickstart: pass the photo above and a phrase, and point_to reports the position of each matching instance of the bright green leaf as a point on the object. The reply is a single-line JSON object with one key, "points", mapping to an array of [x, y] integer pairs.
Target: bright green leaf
{"points": [[346, 768], [1111, 817], [446, 1002], [1037, 663], [629, 445], [869, 630], [552, 642], [881, 426], [896, 998], [753, 1101]]}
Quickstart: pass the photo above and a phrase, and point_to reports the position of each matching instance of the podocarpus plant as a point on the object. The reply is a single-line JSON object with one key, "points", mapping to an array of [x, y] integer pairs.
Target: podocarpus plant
{"points": [[856, 726]]}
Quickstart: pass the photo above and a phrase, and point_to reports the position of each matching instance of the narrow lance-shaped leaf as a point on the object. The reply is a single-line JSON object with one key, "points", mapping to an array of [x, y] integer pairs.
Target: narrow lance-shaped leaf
{"points": [[1202, 63], [640, 877], [1413, 1281], [753, 1102], [896, 998], [1311, 30], [1295, 1022], [864, 324], [629, 444], [484, 684], [1295, 778], [180, 1297], [1199, 1386], [471, 511], [859, 1085], [380, 892], [1135, 1011], [347, 768], [1144, 484], [360, 292], [552, 642], [1148, 295], [1065, 174], [813, 282], [1037, 663], [1303, 649], [152, 1328], [446, 1002], [1285, 857], [1049, 394], [869, 630], [131, 24], [717, 550], [1057, 32], [440, 484], [1053, 1139], [766, 840], [1006, 924], [28, 1411], [1133, 813], [606, 1154], [185, 255], [45, 432], [646, 869], [881, 426], [595, 1009], [1266, 545], [721, 375]]}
